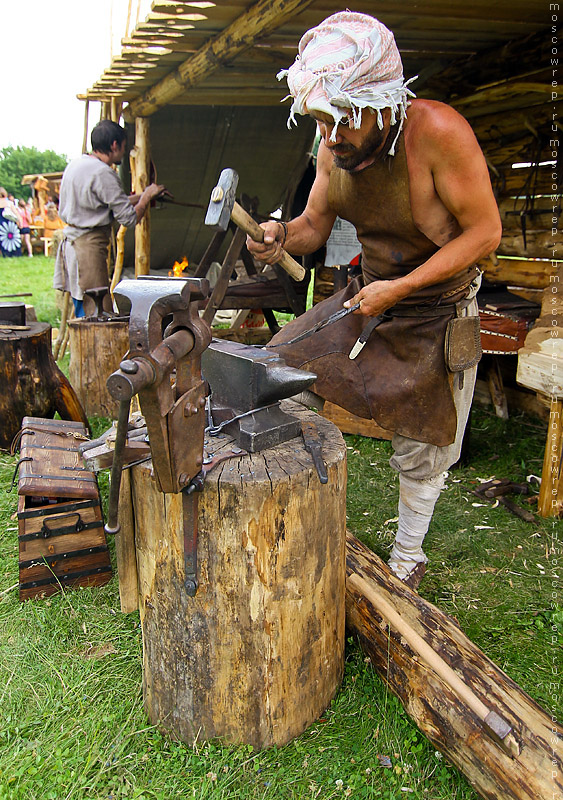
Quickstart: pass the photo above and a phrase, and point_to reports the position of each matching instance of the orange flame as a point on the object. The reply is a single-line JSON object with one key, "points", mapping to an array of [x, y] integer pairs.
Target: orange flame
{"points": [[178, 268]]}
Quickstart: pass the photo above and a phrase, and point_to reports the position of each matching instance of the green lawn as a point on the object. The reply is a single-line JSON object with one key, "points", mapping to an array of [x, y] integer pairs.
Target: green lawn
{"points": [[72, 725]]}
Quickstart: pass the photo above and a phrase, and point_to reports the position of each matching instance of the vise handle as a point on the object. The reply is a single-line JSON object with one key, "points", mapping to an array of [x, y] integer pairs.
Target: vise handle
{"points": [[138, 372]]}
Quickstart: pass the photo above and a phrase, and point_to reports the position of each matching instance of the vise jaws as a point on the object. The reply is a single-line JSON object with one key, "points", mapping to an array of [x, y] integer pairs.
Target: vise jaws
{"points": [[171, 365]]}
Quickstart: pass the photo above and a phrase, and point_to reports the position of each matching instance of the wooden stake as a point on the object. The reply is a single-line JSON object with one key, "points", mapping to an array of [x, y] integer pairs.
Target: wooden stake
{"points": [[62, 327], [119, 257], [142, 172], [550, 501], [125, 548]]}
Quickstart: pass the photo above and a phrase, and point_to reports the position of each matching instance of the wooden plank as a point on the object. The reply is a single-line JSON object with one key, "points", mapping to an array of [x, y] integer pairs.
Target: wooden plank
{"points": [[542, 370], [350, 423]]}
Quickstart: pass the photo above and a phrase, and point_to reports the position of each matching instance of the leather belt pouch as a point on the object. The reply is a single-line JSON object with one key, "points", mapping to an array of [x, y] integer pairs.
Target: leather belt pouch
{"points": [[463, 343]]}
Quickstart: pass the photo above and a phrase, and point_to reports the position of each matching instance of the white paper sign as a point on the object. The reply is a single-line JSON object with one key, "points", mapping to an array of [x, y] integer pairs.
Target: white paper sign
{"points": [[342, 245]]}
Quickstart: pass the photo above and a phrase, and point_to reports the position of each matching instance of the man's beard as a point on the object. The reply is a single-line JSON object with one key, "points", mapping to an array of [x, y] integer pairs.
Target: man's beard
{"points": [[347, 156]]}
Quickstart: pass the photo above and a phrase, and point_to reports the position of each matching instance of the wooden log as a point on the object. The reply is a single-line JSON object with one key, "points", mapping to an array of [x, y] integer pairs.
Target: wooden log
{"points": [[539, 244], [257, 655], [536, 773], [96, 348], [142, 180], [517, 272], [260, 19], [32, 384]]}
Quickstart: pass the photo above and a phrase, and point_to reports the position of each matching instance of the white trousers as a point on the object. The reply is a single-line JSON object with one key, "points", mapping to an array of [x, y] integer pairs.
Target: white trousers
{"points": [[422, 468]]}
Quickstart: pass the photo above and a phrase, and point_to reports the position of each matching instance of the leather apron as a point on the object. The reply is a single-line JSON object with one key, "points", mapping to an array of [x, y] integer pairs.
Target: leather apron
{"points": [[400, 377]]}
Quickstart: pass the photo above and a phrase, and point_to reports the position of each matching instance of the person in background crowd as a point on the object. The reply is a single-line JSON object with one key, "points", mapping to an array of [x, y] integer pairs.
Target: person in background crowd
{"points": [[10, 238], [25, 230]]}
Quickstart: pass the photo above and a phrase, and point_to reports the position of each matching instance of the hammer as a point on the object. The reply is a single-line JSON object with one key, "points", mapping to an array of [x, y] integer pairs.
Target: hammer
{"points": [[223, 206]]}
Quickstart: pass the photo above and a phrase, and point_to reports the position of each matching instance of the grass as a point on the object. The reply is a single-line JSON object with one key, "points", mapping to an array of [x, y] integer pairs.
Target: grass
{"points": [[72, 724]]}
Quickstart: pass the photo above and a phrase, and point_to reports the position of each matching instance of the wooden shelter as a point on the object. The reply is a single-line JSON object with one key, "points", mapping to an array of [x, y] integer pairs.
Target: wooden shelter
{"points": [[196, 83], [202, 78]]}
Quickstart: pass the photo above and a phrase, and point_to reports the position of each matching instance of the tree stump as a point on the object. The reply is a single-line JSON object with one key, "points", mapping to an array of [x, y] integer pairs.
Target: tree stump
{"points": [[257, 655], [96, 349], [536, 773], [32, 385]]}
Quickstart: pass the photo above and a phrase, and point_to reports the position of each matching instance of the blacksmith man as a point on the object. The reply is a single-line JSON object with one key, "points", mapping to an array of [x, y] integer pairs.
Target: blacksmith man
{"points": [[417, 189]]}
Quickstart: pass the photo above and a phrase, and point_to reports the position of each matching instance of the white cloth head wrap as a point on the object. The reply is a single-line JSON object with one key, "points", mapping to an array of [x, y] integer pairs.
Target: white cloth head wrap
{"points": [[349, 61]]}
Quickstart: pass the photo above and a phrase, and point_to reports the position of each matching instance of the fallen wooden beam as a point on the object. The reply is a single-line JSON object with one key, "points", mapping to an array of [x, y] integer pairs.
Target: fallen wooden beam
{"points": [[447, 716]]}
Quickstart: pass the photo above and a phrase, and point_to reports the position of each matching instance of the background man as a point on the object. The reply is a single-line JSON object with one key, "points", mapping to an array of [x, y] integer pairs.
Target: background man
{"points": [[91, 197], [418, 192]]}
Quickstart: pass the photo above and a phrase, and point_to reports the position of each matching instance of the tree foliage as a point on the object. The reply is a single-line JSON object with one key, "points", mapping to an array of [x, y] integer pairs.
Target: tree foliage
{"points": [[15, 162]]}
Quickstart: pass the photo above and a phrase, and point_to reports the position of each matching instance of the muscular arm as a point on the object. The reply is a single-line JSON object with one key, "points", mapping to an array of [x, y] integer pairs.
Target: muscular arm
{"points": [[305, 233], [446, 161]]}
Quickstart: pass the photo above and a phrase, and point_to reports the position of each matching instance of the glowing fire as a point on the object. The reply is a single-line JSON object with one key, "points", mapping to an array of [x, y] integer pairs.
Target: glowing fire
{"points": [[178, 268]]}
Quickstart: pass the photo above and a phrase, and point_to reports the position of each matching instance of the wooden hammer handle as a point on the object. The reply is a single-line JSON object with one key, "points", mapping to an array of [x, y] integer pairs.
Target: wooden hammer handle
{"points": [[244, 221]]}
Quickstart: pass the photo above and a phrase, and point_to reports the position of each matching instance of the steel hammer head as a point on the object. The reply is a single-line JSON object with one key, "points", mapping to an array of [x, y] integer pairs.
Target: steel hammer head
{"points": [[222, 201]]}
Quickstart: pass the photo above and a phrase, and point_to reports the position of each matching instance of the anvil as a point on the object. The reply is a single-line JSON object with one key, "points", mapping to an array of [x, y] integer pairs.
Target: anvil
{"points": [[246, 386]]}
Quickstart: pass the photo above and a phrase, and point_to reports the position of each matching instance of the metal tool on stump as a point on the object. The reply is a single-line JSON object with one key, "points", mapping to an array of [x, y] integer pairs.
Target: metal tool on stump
{"points": [[223, 207], [98, 295], [247, 404]]}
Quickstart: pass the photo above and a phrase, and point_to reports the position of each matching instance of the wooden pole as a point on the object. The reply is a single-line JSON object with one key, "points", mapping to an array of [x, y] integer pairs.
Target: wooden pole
{"points": [[62, 328], [550, 501], [85, 138], [119, 257], [261, 19], [445, 709], [142, 172]]}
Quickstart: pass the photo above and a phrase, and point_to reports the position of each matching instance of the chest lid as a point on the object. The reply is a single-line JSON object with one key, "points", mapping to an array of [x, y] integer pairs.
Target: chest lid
{"points": [[50, 463]]}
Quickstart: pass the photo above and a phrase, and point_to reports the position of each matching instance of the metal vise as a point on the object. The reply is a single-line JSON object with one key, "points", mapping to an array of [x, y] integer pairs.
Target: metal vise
{"points": [[247, 384], [166, 334]]}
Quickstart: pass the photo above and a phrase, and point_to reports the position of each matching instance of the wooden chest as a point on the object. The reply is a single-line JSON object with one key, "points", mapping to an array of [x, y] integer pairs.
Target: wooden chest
{"points": [[62, 542]]}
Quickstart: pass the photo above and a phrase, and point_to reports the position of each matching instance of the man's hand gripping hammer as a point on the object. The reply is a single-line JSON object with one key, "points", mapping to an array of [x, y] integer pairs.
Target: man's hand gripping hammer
{"points": [[223, 207]]}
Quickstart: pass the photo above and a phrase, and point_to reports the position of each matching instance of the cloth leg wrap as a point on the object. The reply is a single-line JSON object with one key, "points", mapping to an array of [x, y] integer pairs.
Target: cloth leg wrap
{"points": [[417, 499]]}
